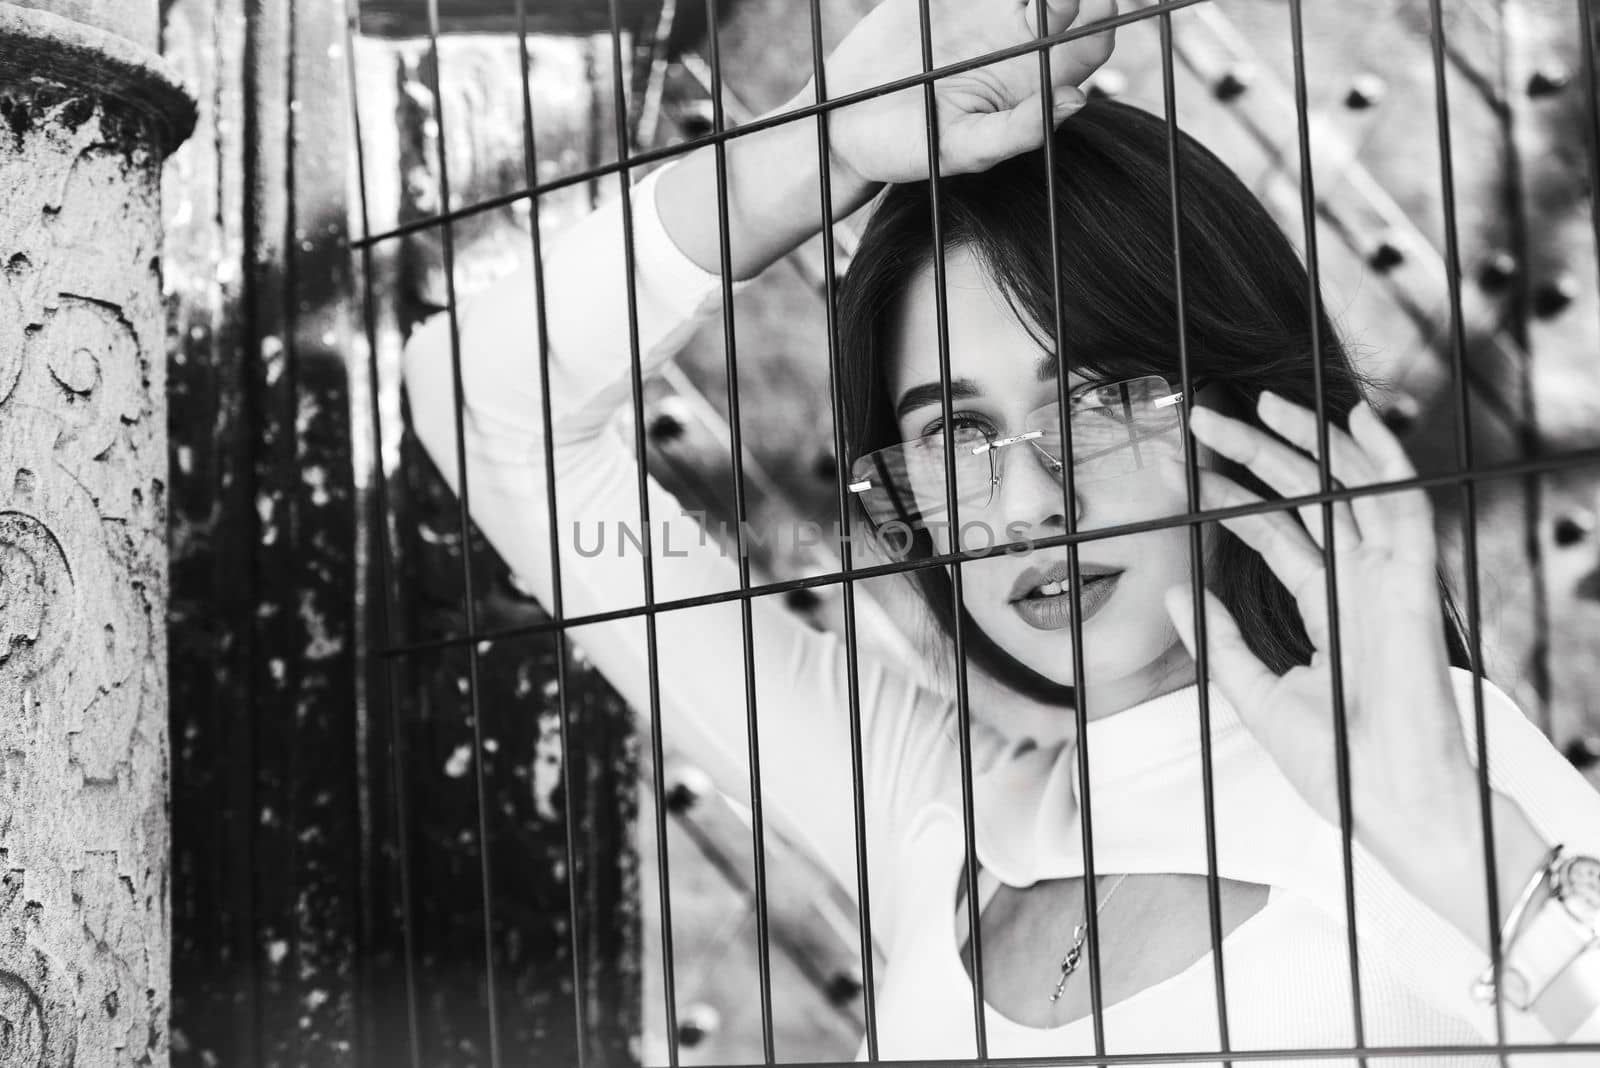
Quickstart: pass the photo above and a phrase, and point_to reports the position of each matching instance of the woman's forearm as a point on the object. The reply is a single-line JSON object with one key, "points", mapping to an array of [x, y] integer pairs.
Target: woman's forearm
{"points": [[774, 203], [1450, 876]]}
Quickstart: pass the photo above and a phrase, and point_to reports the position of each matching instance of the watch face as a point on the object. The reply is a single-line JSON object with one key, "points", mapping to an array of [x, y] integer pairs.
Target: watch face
{"points": [[1579, 887]]}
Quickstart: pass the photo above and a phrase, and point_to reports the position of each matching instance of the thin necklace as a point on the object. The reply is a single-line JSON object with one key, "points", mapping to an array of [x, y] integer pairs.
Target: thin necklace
{"points": [[1069, 963]]}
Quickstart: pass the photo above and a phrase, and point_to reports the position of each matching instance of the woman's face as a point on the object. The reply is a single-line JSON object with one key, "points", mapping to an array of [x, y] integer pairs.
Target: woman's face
{"points": [[999, 374]]}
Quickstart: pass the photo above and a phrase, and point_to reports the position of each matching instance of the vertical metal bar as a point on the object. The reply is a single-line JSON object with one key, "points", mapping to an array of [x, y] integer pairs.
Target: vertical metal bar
{"points": [[1591, 126], [569, 756], [963, 710], [1196, 554], [736, 446], [1069, 506], [648, 124], [1308, 209], [591, 81], [255, 151], [447, 245], [291, 393], [846, 545], [657, 757], [1512, 113], [1469, 490], [380, 497]]}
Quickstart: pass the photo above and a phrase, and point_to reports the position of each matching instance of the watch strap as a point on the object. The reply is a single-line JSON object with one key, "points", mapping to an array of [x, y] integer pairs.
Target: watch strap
{"points": [[1572, 997], [1545, 944]]}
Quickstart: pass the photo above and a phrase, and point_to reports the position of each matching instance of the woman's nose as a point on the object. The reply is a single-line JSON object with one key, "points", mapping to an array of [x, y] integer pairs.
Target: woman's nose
{"points": [[1032, 490]]}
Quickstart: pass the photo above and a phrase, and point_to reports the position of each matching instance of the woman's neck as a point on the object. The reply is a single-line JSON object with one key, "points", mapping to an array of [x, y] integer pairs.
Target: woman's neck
{"points": [[1173, 670]]}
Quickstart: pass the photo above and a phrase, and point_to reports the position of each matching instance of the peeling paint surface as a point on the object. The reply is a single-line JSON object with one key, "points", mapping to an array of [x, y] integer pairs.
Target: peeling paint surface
{"points": [[267, 824]]}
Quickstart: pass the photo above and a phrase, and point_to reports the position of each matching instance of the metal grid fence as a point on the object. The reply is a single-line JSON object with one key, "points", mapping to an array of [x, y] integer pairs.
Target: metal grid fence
{"points": [[1465, 477]]}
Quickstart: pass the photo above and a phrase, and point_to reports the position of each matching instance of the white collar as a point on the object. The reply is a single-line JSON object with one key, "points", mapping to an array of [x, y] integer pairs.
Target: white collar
{"points": [[1147, 796], [1148, 812]]}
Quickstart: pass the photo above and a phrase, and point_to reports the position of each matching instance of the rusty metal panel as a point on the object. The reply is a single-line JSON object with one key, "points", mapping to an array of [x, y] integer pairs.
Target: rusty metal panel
{"points": [[265, 792], [408, 18], [213, 937]]}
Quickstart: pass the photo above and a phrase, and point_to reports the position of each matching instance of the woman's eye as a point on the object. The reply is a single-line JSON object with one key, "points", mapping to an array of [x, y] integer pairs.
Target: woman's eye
{"points": [[961, 422], [1116, 414]]}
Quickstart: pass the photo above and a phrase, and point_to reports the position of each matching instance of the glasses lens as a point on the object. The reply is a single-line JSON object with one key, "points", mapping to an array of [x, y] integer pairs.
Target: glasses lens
{"points": [[906, 482], [1118, 429]]}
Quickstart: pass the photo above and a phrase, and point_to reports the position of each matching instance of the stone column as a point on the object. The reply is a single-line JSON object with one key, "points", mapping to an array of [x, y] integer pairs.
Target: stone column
{"points": [[87, 113]]}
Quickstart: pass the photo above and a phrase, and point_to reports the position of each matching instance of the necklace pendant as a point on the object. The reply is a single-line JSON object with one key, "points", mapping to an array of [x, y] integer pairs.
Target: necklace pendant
{"points": [[1069, 963]]}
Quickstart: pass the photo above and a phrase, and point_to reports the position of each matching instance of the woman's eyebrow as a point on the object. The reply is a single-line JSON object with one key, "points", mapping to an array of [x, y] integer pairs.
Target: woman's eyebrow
{"points": [[931, 393], [1048, 366]]}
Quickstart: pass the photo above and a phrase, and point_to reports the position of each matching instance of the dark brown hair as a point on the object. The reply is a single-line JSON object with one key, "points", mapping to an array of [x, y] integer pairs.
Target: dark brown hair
{"points": [[1247, 303]]}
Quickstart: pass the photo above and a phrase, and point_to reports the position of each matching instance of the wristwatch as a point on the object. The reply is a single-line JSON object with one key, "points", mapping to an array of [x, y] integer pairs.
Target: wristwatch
{"points": [[1545, 942]]}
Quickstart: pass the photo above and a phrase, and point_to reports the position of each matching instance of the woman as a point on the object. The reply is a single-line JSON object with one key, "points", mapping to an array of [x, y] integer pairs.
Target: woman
{"points": [[1421, 905]]}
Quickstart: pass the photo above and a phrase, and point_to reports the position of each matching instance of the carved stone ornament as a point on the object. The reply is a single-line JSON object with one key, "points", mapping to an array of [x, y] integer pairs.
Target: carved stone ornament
{"points": [[86, 117]]}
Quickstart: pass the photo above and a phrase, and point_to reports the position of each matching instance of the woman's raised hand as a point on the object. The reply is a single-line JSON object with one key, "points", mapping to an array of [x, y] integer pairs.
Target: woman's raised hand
{"points": [[985, 115], [1412, 778]]}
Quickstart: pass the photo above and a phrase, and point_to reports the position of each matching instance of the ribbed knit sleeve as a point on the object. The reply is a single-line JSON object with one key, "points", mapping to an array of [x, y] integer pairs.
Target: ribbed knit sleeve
{"points": [[692, 667], [1438, 959]]}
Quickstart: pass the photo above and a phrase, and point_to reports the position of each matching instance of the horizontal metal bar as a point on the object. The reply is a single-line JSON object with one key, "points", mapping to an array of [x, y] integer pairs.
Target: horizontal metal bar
{"points": [[1543, 464], [657, 155], [1323, 1053]]}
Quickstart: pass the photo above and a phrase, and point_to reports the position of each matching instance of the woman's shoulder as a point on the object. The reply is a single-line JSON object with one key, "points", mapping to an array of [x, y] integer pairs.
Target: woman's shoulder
{"points": [[1465, 681], [1502, 714], [1520, 753]]}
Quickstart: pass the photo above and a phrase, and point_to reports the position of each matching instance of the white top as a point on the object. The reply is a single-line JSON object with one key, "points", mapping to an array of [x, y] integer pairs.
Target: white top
{"points": [[1286, 967]]}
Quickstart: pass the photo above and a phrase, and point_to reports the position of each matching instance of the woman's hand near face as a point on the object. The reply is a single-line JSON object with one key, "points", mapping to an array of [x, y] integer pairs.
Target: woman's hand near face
{"points": [[1413, 786], [985, 115]]}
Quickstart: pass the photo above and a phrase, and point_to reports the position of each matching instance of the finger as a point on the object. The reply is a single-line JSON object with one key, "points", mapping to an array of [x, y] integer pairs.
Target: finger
{"points": [[1245, 681], [1280, 466], [1055, 15], [1073, 61], [1298, 425], [1287, 548], [1277, 464], [976, 142], [1409, 513], [1347, 461]]}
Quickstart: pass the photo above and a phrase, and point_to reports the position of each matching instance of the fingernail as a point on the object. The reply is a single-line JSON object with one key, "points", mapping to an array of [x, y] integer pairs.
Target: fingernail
{"points": [[1069, 99]]}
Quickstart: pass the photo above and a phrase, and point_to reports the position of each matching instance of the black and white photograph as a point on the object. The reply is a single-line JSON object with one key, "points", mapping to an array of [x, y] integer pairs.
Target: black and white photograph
{"points": [[656, 533]]}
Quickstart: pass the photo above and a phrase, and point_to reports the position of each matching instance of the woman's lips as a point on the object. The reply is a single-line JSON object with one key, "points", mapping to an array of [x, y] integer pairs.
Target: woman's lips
{"points": [[1053, 613]]}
